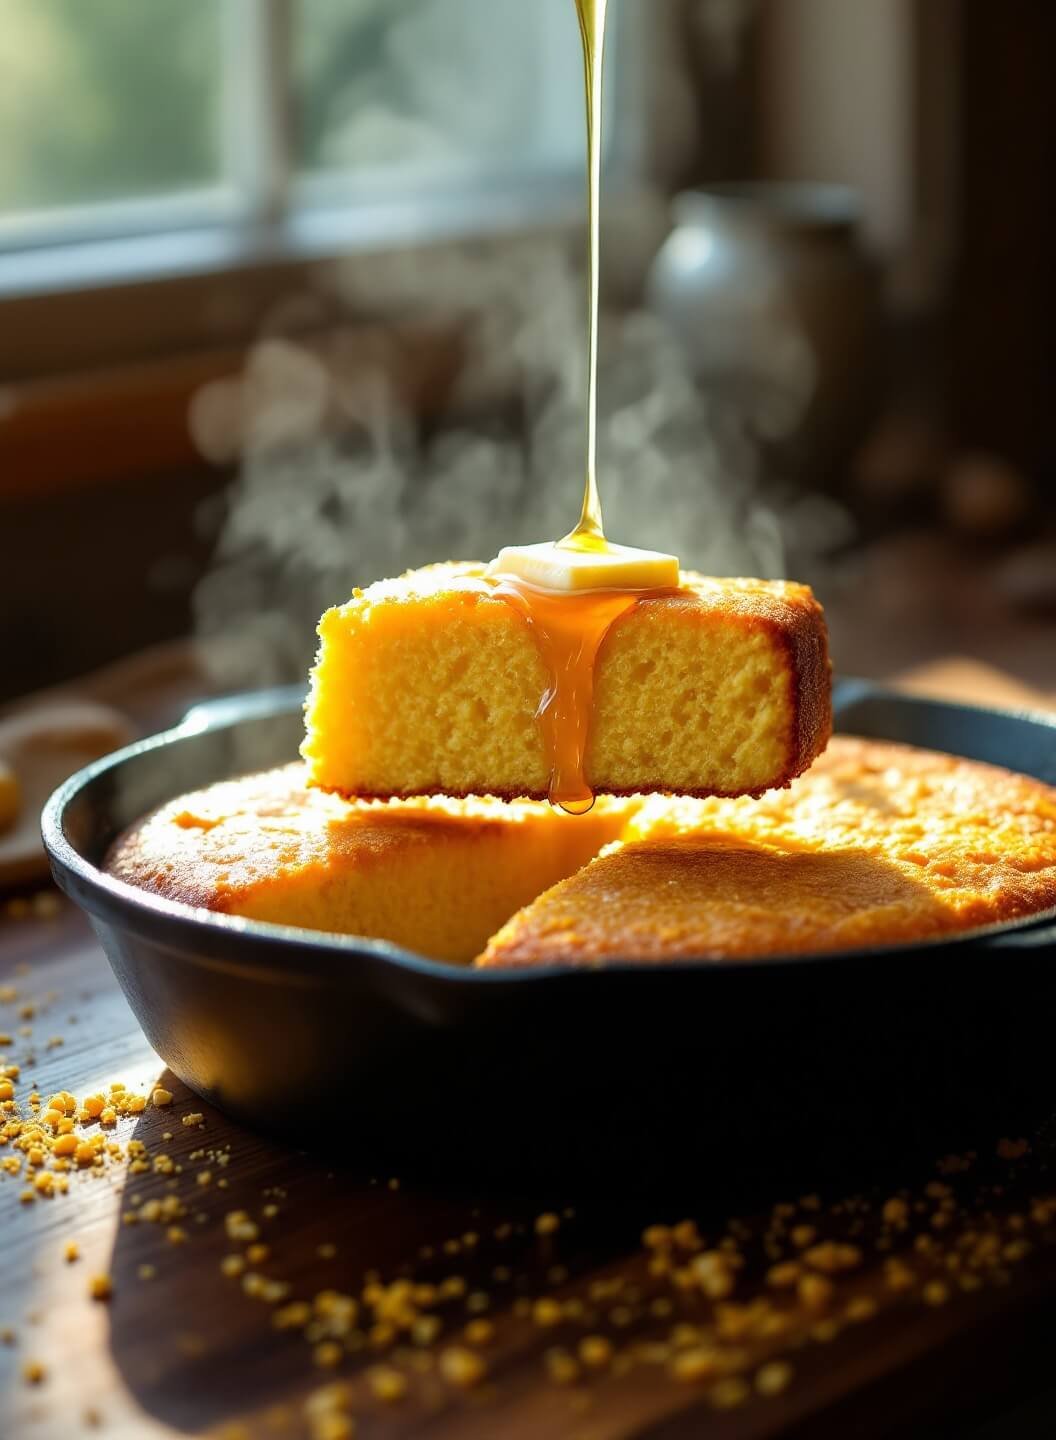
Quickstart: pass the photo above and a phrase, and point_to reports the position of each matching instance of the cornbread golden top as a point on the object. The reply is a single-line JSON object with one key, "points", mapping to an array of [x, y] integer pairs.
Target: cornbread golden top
{"points": [[435, 875], [878, 843]]}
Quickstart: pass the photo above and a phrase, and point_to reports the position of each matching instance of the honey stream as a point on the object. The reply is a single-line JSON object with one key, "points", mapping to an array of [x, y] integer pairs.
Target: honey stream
{"points": [[589, 533], [569, 628]]}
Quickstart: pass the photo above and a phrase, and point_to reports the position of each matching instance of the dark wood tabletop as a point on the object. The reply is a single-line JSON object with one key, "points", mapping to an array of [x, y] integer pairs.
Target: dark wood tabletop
{"points": [[914, 1302]]}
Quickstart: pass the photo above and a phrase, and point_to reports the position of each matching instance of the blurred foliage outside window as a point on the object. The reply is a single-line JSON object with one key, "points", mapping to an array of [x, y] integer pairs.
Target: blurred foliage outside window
{"points": [[107, 99], [104, 100], [438, 85]]}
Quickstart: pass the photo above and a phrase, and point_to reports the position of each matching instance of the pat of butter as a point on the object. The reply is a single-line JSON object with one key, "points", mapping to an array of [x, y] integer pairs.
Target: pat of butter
{"points": [[562, 568]]}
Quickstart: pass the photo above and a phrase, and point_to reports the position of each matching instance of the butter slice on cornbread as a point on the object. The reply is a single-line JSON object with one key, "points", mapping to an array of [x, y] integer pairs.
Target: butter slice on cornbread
{"points": [[437, 876], [430, 684]]}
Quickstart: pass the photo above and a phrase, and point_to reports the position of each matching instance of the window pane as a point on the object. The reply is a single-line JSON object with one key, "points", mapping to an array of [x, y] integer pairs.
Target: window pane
{"points": [[437, 87], [107, 99]]}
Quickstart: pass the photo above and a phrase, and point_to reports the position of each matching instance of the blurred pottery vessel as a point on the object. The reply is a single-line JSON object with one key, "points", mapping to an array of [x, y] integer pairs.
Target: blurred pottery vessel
{"points": [[771, 294]]}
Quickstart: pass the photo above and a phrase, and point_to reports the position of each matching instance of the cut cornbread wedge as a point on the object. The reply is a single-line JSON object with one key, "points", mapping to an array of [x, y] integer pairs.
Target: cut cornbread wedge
{"points": [[437, 876], [434, 683], [877, 844]]}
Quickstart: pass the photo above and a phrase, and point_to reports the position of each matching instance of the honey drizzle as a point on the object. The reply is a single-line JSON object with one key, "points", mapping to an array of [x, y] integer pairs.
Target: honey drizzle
{"points": [[569, 631], [589, 533]]}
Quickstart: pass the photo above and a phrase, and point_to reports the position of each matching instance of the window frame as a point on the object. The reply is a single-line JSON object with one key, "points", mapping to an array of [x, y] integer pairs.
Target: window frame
{"points": [[109, 333], [262, 211]]}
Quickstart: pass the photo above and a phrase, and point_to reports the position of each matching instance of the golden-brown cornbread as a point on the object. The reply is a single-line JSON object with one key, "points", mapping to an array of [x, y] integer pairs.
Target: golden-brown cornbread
{"points": [[437, 876], [878, 843], [432, 683]]}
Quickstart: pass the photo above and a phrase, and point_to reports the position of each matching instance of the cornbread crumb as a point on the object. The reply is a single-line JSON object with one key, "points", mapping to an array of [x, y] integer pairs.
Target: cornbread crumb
{"points": [[333, 1427], [71, 1251], [387, 1384], [328, 1354], [1012, 1149], [895, 1211], [935, 1292], [100, 1287], [860, 1307], [479, 1332], [831, 1256], [774, 1377], [561, 1367], [692, 1366], [547, 1224], [729, 1393], [161, 1097], [239, 1226], [595, 1351], [815, 1292], [425, 1329], [786, 1273], [462, 1368], [714, 1274], [547, 1312], [34, 1373], [193, 1117]]}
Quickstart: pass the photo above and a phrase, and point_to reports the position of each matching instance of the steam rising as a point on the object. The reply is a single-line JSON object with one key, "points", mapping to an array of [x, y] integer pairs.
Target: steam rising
{"points": [[340, 484]]}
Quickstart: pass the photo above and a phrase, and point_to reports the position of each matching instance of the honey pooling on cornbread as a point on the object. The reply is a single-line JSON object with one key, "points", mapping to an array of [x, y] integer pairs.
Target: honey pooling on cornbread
{"points": [[569, 631]]}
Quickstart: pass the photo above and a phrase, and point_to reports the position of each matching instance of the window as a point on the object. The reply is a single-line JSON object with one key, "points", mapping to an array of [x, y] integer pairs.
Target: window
{"points": [[110, 100], [443, 88], [122, 117]]}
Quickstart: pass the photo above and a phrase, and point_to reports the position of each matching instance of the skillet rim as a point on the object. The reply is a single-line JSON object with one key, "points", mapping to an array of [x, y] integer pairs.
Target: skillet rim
{"points": [[263, 945]]}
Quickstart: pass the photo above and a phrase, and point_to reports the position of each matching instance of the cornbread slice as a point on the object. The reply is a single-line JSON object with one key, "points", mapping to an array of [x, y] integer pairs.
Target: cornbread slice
{"points": [[878, 843], [433, 683], [437, 876]]}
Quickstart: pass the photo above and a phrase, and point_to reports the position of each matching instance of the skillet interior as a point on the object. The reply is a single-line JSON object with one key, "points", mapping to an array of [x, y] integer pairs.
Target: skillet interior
{"points": [[870, 1049]]}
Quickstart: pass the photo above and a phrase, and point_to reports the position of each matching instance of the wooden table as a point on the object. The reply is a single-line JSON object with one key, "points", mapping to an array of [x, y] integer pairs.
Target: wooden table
{"points": [[180, 1348]]}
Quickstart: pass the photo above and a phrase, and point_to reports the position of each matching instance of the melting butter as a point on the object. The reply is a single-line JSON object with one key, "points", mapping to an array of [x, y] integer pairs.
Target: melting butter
{"points": [[562, 570]]}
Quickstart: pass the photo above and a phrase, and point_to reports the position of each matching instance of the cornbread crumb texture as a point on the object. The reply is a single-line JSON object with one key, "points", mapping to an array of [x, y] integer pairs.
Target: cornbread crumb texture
{"points": [[436, 875], [424, 687], [878, 843]]}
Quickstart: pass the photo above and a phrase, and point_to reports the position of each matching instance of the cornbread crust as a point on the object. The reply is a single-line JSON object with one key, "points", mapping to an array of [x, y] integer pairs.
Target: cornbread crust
{"points": [[435, 875], [794, 622], [429, 684], [878, 844]]}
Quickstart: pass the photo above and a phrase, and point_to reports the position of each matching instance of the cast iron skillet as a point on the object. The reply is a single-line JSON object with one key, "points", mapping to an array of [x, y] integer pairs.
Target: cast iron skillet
{"points": [[723, 1063]]}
